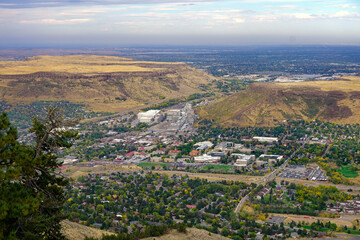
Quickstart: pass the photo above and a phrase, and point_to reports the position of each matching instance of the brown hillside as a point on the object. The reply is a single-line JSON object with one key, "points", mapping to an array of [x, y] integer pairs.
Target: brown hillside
{"points": [[191, 234], [265, 104], [104, 83], [76, 231]]}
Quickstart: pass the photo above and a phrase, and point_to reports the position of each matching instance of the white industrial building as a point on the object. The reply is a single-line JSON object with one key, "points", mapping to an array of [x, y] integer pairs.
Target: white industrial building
{"points": [[149, 116], [266, 139], [206, 159], [242, 159]]}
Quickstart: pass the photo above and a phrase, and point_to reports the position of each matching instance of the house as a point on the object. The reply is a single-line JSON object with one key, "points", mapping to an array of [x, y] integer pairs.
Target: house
{"points": [[191, 206], [263, 192], [129, 154], [159, 167], [174, 152], [195, 153]]}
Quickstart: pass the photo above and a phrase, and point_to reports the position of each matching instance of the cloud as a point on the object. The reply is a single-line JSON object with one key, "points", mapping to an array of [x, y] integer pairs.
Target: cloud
{"points": [[288, 6], [341, 6], [56, 21], [345, 14], [84, 12], [64, 3]]}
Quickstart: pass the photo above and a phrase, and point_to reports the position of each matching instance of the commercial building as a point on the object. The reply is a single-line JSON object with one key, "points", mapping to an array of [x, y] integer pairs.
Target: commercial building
{"points": [[242, 159], [203, 145], [206, 159], [266, 139]]}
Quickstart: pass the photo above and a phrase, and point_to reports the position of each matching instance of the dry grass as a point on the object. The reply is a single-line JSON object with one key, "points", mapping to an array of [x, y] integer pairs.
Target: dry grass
{"points": [[75, 231], [104, 83], [76, 171], [347, 84], [342, 221], [82, 64], [266, 104], [214, 176], [191, 234]]}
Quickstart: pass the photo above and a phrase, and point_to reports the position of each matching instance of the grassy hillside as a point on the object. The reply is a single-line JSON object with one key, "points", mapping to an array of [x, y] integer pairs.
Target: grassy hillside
{"points": [[265, 104], [102, 82], [191, 234], [76, 231]]}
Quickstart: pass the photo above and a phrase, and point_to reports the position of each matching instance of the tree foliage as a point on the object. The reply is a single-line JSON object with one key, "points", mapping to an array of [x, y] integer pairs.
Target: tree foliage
{"points": [[31, 194]]}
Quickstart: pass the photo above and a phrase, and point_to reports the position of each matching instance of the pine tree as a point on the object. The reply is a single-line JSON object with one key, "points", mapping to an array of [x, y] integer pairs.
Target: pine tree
{"points": [[31, 188]]}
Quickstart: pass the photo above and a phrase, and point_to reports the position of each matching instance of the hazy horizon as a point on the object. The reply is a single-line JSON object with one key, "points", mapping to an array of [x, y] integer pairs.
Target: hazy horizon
{"points": [[121, 23]]}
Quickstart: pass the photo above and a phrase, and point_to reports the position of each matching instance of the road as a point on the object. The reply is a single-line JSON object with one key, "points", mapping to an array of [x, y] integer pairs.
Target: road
{"points": [[241, 203], [268, 178]]}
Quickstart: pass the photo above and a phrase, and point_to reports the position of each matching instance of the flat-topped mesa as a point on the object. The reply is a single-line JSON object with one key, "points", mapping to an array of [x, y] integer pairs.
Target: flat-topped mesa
{"points": [[104, 83]]}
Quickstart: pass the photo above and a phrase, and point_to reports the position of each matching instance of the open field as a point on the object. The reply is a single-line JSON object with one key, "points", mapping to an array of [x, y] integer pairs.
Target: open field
{"points": [[347, 171], [266, 104], [224, 168], [147, 165], [102, 83]]}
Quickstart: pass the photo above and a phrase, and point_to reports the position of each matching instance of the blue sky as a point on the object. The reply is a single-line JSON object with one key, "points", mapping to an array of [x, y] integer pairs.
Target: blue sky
{"points": [[112, 23]]}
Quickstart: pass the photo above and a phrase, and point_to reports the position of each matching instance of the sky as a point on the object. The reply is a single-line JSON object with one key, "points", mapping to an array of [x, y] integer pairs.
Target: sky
{"points": [[121, 23]]}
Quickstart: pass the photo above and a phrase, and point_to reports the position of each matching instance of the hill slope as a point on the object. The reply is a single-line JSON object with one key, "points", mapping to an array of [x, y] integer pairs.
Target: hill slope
{"points": [[264, 104], [191, 234], [104, 83], [76, 231]]}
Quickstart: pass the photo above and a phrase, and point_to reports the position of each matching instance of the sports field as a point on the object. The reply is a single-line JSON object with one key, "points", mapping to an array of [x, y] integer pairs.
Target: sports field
{"points": [[348, 171]]}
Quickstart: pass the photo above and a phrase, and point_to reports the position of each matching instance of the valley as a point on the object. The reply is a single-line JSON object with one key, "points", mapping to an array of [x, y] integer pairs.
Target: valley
{"points": [[165, 150]]}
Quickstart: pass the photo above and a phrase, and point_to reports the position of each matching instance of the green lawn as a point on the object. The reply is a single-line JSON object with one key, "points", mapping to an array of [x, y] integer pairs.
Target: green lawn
{"points": [[347, 171], [217, 167], [148, 164], [354, 232], [309, 227]]}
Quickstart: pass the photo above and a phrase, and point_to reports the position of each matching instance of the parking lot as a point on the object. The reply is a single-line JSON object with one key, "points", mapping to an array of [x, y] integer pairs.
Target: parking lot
{"points": [[301, 172]]}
